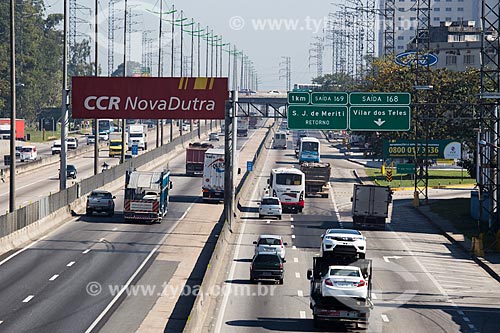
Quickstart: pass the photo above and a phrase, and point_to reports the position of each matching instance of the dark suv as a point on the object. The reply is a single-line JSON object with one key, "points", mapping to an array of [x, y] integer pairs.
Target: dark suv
{"points": [[267, 266]]}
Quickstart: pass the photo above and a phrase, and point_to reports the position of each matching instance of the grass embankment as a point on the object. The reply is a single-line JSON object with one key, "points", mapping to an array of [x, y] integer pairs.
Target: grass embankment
{"points": [[457, 211], [436, 178]]}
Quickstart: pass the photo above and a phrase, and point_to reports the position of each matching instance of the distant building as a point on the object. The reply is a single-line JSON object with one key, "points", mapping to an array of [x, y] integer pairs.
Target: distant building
{"points": [[456, 44], [441, 11]]}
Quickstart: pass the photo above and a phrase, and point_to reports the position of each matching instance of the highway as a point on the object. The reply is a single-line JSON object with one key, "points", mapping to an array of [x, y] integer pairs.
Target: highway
{"points": [[422, 282], [30, 188], [45, 286]]}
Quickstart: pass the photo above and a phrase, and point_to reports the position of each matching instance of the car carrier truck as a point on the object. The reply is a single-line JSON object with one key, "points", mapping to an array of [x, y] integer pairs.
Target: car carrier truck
{"points": [[317, 178], [146, 195], [341, 308], [195, 157], [370, 205]]}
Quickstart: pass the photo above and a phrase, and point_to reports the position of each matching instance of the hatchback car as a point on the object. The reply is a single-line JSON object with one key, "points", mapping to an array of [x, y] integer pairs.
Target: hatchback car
{"points": [[213, 137], [343, 242], [90, 139], [270, 244], [270, 206], [70, 171], [344, 281], [267, 266]]}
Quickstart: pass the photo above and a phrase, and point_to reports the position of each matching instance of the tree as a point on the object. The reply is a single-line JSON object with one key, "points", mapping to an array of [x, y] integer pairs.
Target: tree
{"points": [[132, 67], [79, 63], [335, 82], [38, 58]]}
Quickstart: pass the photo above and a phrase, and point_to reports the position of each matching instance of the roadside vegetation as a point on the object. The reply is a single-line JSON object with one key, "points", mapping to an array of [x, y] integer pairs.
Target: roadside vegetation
{"points": [[436, 178]]}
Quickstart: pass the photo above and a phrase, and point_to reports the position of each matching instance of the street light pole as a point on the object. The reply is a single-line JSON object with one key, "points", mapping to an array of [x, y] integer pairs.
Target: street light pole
{"points": [[64, 107], [12, 183]]}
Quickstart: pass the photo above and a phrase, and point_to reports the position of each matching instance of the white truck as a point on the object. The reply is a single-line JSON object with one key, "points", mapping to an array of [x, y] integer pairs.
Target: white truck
{"points": [[137, 136], [213, 175], [370, 205]]}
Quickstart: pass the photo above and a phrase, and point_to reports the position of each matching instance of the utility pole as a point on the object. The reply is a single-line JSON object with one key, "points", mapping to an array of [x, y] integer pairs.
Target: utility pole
{"points": [[316, 52], [489, 156], [285, 71], [422, 86], [96, 73], [64, 104], [12, 180]]}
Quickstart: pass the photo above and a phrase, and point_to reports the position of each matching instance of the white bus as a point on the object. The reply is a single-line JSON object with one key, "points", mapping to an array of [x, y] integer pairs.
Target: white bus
{"points": [[309, 150], [288, 184]]}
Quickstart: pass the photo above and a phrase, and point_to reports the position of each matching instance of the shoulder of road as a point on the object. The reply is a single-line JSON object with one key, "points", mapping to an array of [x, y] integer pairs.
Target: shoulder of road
{"points": [[489, 262]]}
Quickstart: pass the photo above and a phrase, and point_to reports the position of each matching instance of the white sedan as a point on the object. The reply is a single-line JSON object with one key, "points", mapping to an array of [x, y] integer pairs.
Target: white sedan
{"points": [[344, 281], [270, 243], [343, 242]]}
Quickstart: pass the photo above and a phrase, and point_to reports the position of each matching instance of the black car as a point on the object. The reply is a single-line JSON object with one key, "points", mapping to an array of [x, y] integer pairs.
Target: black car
{"points": [[70, 171], [267, 266]]}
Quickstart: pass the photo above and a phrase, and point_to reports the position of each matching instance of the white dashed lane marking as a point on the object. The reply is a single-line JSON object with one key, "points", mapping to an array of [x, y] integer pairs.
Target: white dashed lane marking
{"points": [[300, 293], [297, 275], [293, 236], [294, 247], [29, 298], [55, 276], [292, 226], [86, 251], [302, 314], [114, 229], [384, 318], [71, 263], [295, 259]]}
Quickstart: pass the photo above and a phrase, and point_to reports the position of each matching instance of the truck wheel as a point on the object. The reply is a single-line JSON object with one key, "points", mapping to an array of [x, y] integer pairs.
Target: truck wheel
{"points": [[145, 146], [317, 322], [279, 217], [362, 255], [111, 213], [280, 281], [88, 212], [261, 216]]}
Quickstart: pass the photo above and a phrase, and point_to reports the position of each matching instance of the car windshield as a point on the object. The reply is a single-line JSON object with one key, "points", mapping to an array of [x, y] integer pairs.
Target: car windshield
{"points": [[344, 272], [26, 149], [71, 167], [103, 195], [270, 202], [267, 259], [115, 144], [343, 231], [136, 135], [269, 241]]}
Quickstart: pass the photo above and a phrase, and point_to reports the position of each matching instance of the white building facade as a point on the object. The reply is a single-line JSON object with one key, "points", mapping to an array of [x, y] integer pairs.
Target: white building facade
{"points": [[441, 11]]}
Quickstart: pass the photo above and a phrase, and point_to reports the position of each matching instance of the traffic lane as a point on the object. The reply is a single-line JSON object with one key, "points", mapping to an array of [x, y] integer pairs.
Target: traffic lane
{"points": [[439, 279], [75, 237]]}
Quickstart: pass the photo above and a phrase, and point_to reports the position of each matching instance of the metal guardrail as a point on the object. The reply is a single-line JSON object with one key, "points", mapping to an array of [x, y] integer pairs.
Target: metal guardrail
{"points": [[45, 206]]}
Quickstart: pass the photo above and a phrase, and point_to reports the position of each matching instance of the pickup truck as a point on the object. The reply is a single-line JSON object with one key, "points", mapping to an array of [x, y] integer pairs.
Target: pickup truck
{"points": [[101, 202]]}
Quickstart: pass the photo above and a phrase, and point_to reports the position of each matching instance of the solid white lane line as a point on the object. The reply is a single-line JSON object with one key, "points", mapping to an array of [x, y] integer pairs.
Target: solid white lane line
{"points": [[133, 276], [86, 251], [300, 293], [335, 208], [384, 318], [20, 251], [297, 275], [295, 259], [302, 314], [292, 226], [374, 296], [466, 319], [293, 236], [55, 276], [29, 298], [294, 247], [125, 287], [71, 263]]}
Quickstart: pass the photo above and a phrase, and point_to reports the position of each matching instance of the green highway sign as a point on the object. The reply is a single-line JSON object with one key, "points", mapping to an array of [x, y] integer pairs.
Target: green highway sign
{"points": [[379, 118], [315, 117], [329, 98], [299, 97], [379, 98], [407, 168]]}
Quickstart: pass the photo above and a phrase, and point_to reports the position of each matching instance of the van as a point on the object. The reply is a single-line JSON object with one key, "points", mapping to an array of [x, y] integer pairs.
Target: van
{"points": [[28, 153], [279, 141]]}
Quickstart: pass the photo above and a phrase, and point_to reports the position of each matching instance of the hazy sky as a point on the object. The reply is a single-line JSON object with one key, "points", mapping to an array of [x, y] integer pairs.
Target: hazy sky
{"points": [[265, 31]]}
